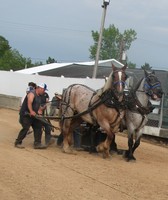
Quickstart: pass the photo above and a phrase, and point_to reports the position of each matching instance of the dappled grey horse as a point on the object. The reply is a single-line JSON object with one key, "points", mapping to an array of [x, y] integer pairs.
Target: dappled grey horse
{"points": [[139, 107]]}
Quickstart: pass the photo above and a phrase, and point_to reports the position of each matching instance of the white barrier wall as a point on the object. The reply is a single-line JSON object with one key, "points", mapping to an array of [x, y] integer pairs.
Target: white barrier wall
{"points": [[15, 84]]}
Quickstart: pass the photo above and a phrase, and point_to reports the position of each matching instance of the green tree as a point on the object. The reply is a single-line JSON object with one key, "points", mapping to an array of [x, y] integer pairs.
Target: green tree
{"points": [[12, 59], [4, 46], [146, 66], [50, 60], [131, 65], [113, 42]]}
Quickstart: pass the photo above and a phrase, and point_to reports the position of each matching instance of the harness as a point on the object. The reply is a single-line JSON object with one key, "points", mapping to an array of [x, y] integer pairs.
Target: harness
{"points": [[134, 105], [108, 98]]}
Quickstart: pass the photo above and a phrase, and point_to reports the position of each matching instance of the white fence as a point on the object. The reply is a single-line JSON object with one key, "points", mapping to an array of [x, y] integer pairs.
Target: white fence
{"points": [[15, 84]]}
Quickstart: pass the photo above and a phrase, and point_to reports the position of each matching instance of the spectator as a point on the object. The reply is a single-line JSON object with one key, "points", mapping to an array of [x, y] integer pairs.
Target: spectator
{"points": [[55, 105], [29, 108], [76, 139], [31, 87]]}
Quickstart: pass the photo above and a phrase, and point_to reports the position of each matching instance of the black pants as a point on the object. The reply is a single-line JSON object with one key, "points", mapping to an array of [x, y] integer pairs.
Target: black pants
{"points": [[27, 121], [47, 133]]}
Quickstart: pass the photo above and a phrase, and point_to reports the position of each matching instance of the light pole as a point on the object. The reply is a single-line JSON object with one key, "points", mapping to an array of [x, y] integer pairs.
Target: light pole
{"points": [[104, 6]]}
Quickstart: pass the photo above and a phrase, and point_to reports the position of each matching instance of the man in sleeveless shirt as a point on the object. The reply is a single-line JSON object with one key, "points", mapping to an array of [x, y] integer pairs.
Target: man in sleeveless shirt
{"points": [[30, 107]]}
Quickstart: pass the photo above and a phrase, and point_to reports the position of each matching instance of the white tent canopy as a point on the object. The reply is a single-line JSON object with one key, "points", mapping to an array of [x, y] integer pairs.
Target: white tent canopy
{"points": [[43, 68]]}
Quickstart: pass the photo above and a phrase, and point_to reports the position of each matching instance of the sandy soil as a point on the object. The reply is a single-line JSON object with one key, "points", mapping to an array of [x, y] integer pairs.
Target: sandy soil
{"points": [[52, 175]]}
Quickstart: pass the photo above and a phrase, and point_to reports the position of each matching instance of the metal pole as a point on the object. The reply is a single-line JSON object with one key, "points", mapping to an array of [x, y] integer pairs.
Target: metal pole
{"points": [[99, 42]]}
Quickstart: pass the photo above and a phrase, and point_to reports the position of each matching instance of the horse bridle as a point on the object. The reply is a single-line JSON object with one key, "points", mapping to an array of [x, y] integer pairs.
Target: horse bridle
{"points": [[120, 81], [149, 86]]}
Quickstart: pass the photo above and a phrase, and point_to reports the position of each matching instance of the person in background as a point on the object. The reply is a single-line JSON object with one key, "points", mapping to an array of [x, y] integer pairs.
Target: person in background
{"points": [[30, 108], [76, 139], [31, 87], [47, 128], [55, 105]]}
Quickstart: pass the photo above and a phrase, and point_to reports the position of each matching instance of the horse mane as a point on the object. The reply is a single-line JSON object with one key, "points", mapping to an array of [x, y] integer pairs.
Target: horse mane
{"points": [[106, 86], [138, 84]]}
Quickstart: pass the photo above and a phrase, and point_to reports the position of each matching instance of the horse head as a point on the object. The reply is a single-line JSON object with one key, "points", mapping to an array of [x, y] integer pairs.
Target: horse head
{"points": [[115, 82], [152, 85], [118, 81]]}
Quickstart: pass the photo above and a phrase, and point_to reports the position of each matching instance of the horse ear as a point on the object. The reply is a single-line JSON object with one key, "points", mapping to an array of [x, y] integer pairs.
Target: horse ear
{"points": [[124, 67], [113, 67]]}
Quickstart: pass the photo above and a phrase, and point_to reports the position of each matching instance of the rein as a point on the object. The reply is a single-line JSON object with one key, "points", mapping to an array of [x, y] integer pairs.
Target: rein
{"points": [[107, 98], [134, 105], [111, 100]]}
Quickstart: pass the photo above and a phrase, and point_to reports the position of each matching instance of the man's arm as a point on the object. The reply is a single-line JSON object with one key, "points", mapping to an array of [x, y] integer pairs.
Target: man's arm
{"points": [[30, 98]]}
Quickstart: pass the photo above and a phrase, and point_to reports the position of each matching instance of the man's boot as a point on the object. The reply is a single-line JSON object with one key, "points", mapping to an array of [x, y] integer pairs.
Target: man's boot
{"points": [[39, 146], [18, 145]]}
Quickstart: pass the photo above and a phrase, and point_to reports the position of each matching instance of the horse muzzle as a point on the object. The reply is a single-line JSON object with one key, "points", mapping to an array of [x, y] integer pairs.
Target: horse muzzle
{"points": [[157, 96]]}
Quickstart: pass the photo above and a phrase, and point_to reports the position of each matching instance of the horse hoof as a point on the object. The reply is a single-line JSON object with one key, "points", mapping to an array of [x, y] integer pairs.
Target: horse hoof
{"points": [[126, 154], [99, 148], [67, 150], [117, 151], [120, 151], [107, 155], [131, 159]]}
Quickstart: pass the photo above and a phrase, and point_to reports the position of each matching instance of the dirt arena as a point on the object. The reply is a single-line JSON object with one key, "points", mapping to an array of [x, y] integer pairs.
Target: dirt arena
{"points": [[27, 174]]}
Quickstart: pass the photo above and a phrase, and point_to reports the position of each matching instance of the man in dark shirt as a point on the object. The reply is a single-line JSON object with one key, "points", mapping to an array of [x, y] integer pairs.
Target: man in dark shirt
{"points": [[30, 107]]}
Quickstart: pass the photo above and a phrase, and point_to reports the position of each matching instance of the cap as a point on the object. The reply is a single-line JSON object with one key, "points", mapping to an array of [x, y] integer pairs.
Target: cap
{"points": [[42, 85]]}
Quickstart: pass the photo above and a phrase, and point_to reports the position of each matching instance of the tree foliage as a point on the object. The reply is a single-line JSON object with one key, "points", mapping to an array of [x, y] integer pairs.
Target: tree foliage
{"points": [[146, 66], [10, 58], [113, 42], [50, 60], [4, 46], [131, 65]]}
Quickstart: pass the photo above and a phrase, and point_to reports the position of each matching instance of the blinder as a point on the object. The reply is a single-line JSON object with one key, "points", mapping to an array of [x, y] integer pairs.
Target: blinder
{"points": [[152, 85]]}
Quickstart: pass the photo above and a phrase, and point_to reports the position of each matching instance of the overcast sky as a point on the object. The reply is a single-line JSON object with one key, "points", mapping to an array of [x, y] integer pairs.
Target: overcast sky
{"points": [[62, 29]]}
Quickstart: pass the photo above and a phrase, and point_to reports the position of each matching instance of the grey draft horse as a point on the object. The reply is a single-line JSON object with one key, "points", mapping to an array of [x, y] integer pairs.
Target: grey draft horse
{"points": [[139, 107], [104, 107]]}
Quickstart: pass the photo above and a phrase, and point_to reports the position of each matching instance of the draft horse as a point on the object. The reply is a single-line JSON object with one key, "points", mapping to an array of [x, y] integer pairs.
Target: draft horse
{"points": [[139, 107], [104, 107]]}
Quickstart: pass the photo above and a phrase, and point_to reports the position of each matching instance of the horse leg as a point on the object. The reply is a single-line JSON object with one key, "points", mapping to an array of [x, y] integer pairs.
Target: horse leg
{"points": [[113, 145], [104, 147], [136, 144], [137, 141], [67, 136], [129, 153], [93, 138]]}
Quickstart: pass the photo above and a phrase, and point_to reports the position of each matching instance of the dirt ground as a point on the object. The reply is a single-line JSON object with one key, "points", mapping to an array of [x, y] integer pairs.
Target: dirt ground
{"points": [[52, 175]]}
